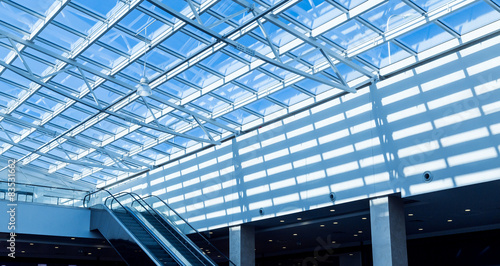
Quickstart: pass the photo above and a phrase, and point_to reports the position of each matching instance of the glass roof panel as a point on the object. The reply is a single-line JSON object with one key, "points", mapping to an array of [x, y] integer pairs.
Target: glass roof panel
{"points": [[313, 13], [17, 17], [241, 117], [429, 5], [264, 107], [102, 8], [350, 34], [350, 4], [392, 13], [471, 18], [289, 96], [76, 20], [379, 56], [232, 92], [424, 38]]}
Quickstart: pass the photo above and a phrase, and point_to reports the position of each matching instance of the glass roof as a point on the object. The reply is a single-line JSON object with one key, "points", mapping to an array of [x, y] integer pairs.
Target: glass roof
{"points": [[74, 102]]}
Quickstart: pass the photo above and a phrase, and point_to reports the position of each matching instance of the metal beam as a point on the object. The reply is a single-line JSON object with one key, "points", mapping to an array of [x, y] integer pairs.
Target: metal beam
{"points": [[247, 50], [73, 140]]}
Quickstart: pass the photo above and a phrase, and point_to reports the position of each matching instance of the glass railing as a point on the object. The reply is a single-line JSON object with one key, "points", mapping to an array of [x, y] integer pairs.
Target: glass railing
{"points": [[43, 194]]}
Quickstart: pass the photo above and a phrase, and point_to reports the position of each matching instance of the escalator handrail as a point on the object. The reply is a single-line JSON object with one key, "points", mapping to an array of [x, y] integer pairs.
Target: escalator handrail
{"points": [[114, 198], [186, 222], [133, 195]]}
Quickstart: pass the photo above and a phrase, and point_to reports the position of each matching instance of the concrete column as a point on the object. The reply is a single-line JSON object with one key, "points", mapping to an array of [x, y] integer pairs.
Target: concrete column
{"points": [[242, 245], [388, 231]]}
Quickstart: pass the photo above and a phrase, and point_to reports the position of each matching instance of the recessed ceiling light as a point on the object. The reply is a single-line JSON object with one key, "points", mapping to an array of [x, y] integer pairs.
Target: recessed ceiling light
{"points": [[333, 242], [335, 222], [322, 225], [364, 218], [355, 235], [31, 244], [350, 254], [284, 247], [282, 221], [467, 210], [89, 253], [211, 233], [56, 247], [332, 210], [72, 238], [450, 220], [410, 214], [420, 229], [23, 251], [295, 234], [360, 232], [98, 248], [299, 219], [270, 240]]}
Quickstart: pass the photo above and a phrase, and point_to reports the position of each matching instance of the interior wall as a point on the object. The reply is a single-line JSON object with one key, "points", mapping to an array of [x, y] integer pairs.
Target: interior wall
{"points": [[440, 117]]}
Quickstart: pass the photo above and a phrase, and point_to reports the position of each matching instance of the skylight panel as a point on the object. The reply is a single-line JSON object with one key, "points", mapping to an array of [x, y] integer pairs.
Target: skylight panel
{"points": [[392, 13], [36, 67], [240, 117], [121, 41], [313, 13], [263, 107], [103, 8], [213, 23], [60, 37], [31, 110], [44, 102], [41, 7], [209, 103], [350, 34], [77, 20], [313, 86], [216, 128], [426, 37], [176, 88], [4, 51], [183, 44], [379, 56], [136, 70], [277, 72], [161, 59], [167, 121], [165, 147], [134, 136], [232, 92], [471, 18], [127, 145], [200, 78], [278, 36], [16, 17], [289, 96], [429, 5], [350, 4], [257, 80], [102, 55], [254, 44], [179, 125], [183, 142], [10, 89], [222, 63]]}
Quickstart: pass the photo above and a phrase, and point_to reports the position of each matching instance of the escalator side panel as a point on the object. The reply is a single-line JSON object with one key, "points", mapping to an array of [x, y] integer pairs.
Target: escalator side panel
{"points": [[124, 242]]}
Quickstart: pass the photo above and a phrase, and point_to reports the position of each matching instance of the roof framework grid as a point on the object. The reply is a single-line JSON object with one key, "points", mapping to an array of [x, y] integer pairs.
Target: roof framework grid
{"points": [[216, 68]]}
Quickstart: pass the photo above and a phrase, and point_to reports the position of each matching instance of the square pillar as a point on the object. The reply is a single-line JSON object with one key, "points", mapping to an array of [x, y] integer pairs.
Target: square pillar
{"points": [[242, 245], [388, 231]]}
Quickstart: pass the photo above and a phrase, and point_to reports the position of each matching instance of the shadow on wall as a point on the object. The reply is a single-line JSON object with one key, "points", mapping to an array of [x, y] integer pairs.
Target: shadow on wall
{"points": [[441, 117]]}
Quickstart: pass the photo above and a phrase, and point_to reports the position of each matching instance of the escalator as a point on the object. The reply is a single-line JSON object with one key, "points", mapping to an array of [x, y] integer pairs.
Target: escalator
{"points": [[143, 235]]}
